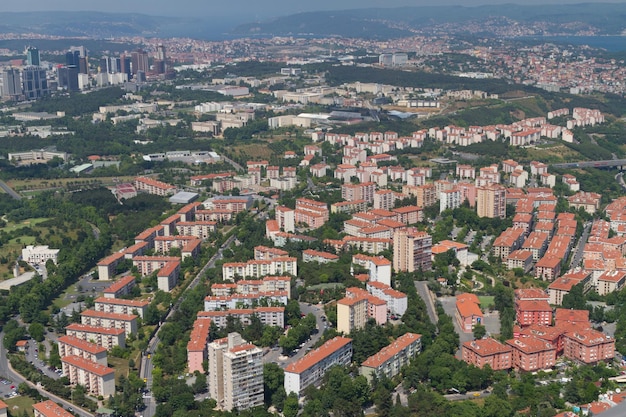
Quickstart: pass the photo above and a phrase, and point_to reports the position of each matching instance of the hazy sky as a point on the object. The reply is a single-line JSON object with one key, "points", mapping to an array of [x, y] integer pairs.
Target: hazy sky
{"points": [[244, 9]]}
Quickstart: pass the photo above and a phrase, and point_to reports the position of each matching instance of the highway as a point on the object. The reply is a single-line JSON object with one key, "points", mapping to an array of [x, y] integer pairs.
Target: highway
{"points": [[9, 190], [7, 371], [146, 359]]}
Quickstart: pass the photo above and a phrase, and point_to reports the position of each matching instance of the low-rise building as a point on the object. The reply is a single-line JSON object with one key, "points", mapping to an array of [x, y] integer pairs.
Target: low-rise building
{"points": [[197, 352], [103, 336], [588, 346], [120, 288], [121, 306], [532, 354], [389, 360], [39, 254], [310, 369], [487, 352], [529, 312], [49, 408], [126, 322], [468, 312]]}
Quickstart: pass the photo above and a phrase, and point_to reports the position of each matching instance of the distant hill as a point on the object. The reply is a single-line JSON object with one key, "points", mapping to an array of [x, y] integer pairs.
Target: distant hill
{"points": [[604, 18]]}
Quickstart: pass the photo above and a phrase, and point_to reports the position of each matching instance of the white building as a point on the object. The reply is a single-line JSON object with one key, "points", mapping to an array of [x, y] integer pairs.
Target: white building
{"points": [[39, 254]]}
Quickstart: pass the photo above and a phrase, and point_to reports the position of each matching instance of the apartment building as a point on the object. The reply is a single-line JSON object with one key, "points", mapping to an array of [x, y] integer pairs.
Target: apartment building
{"points": [[230, 302], [491, 201], [258, 269], [610, 281], [121, 306], [310, 369], [521, 258], [363, 191], [97, 379], [487, 352], [588, 346], [411, 250], [152, 186], [108, 265], [548, 268], [197, 351], [167, 277], [73, 346], [384, 199], [508, 241], [149, 264], [530, 312], [269, 316], [351, 314], [532, 354], [265, 253], [310, 255], [389, 360], [120, 287], [103, 336], [126, 322], [396, 301], [234, 204], [48, 408], [310, 212], [563, 285], [235, 373], [199, 229]]}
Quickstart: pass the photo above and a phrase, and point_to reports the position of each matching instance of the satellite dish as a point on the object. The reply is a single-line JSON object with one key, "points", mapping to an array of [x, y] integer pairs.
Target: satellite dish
{"points": [[617, 390]]}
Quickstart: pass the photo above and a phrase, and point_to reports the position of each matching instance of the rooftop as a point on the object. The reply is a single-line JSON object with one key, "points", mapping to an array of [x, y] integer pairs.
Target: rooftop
{"points": [[317, 355]]}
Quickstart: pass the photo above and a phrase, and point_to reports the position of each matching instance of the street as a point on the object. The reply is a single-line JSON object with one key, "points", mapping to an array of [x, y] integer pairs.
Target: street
{"points": [[424, 292]]}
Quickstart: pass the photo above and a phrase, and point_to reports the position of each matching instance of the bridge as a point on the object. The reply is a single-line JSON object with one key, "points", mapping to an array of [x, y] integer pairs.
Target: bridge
{"points": [[608, 163]]}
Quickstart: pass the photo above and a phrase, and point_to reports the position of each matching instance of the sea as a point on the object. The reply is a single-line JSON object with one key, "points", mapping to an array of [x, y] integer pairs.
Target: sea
{"points": [[609, 43]]}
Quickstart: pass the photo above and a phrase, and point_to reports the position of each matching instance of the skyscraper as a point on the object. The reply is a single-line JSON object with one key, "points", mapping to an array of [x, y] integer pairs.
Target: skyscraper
{"points": [[32, 57], [125, 65], [34, 82], [235, 373], [11, 84], [160, 63], [139, 61]]}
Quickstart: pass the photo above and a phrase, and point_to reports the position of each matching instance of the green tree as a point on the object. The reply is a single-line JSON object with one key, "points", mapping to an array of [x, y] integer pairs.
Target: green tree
{"points": [[37, 331], [479, 331], [291, 407], [575, 299]]}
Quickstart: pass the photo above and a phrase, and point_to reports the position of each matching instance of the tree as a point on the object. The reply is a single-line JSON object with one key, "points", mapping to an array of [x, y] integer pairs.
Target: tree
{"points": [[36, 331], [479, 331], [200, 384], [291, 405], [575, 299]]}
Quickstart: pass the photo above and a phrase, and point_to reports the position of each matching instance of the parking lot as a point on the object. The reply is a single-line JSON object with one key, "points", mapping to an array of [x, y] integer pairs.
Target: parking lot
{"points": [[8, 389]]}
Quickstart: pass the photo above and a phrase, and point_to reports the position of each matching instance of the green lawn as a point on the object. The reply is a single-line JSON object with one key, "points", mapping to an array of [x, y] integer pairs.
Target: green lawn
{"points": [[485, 300], [30, 222], [20, 404]]}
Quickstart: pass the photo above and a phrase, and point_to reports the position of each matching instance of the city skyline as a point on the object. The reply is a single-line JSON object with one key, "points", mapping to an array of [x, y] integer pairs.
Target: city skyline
{"points": [[245, 10]]}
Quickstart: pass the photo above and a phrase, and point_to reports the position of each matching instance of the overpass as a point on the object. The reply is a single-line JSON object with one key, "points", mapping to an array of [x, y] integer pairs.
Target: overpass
{"points": [[608, 163]]}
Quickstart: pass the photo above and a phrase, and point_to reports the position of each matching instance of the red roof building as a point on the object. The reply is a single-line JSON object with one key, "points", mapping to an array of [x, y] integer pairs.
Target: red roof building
{"points": [[487, 352]]}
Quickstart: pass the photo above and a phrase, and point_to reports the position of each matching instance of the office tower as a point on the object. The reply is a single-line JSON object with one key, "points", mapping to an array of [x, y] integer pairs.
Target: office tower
{"points": [[11, 84], [160, 63], [104, 65], [68, 78], [72, 59], [125, 65], [491, 201], [115, 65], [83, 66], [412, 250], [34, 83], [139, 61], [32, 57], [235, 373]]}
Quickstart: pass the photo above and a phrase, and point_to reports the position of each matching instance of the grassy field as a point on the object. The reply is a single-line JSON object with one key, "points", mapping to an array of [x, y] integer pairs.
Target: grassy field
{"points": [[20, 404], [254, 150], [12, 249], [554, 154], [30, 222], [485, 300], [120, 365], [42, 184]]}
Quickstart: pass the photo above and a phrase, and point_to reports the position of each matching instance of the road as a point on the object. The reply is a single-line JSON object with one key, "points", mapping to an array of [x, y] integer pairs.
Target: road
{"points": [[580, 246], [424, 292], [7, 371], [10, 191], [275, 355], [233, 163], [146, 359]]}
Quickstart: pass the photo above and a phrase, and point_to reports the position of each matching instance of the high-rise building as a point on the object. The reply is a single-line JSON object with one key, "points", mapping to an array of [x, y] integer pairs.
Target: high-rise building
{"points": [[160, 63], [139, 61], [491, 201], [412, 250], [68, 77], [11, 84], [32, 57], [72, 58], [34, 82], [125, 65], [235, 373]]}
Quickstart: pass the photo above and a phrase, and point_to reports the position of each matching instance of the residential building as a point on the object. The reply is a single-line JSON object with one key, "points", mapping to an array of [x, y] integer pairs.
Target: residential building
{"points": [[389, 360], [411, 250], [97, 379], [70, 345], [107, 266], [588, 346], [120, 288], [487, 352], [152, 186], [310, 255], [235, 373], [351, 314], [529, 312], [610, 281], [121, 306], [562, 285], [532, 354], [522, 259], [491, 201], [269, 316], [103, 336], [310, 369], [126, 322], [47, 408], [197, 352], [258, 269], [468, 312]]}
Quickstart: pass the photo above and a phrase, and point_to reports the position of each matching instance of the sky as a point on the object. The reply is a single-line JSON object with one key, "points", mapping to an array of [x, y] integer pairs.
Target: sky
{"points": [[242, 9]]}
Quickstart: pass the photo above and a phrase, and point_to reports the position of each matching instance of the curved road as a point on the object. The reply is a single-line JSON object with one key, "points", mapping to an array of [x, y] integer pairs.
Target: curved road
{"points": [[9, 372]]}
